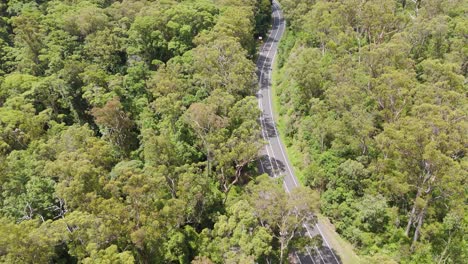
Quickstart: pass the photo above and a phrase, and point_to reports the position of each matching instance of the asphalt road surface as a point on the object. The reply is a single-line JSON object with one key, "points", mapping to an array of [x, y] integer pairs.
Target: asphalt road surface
{"points": [[274, 160]]}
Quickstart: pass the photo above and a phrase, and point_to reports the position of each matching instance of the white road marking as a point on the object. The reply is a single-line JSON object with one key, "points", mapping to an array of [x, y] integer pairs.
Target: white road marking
{"points": [[262, 121], [297, 256], [326, 242]]}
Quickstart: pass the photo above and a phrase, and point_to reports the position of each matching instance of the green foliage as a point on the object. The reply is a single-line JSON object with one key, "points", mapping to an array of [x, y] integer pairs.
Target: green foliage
{"points": [[168, 30], [373, 94], [222, 64], [109, 255], [265, 224], [238, 229], [27, 241], [128, 130]]}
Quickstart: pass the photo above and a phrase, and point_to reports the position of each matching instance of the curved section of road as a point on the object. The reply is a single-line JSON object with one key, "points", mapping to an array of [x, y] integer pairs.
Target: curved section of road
{"points": [[274, 160]]}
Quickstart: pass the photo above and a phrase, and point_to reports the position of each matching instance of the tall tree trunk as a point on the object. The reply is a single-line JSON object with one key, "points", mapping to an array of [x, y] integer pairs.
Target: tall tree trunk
{"points": [[322, 143], [417, 5], [421, 216], [208, 158], [281, 252], [236, 179], [172, 186], [359, 49], [412, 214], [442, 257]]}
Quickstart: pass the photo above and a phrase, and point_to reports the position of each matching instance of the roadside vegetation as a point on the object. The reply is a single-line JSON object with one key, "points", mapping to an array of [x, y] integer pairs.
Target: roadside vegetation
{"points": [[129, 134], [372, 101]]}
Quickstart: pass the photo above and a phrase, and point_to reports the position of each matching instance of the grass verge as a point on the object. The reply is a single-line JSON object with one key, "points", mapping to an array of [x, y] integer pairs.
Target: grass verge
{"points": [[294, 156]]}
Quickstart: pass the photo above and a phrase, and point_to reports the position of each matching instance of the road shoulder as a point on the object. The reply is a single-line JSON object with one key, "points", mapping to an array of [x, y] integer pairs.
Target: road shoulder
{"points": [[343, 248]]}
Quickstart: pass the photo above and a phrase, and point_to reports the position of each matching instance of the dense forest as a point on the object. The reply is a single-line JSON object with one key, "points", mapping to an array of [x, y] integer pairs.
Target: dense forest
{"points": [[129, 134], [372, 98]]}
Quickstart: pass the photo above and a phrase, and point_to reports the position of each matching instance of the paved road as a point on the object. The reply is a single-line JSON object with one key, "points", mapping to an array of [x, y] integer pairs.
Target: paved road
{"points": [[274, 160]]}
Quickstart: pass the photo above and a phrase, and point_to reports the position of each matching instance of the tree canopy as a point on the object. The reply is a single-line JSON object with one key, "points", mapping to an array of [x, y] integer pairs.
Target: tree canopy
{"points": [[373, 98], [129, 133]]}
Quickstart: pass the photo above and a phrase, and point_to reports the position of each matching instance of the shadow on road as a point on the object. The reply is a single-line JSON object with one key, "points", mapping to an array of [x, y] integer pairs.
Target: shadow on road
{"points": [[263, 63], [319, 255], [271, 166], [269, 127], [330, 255]]}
